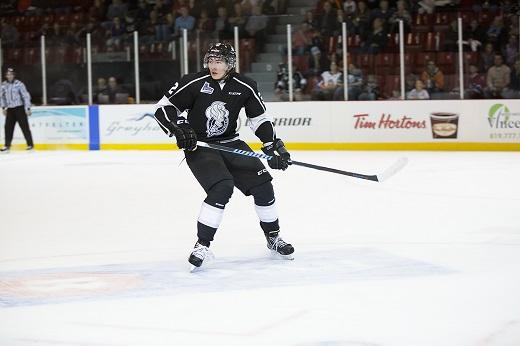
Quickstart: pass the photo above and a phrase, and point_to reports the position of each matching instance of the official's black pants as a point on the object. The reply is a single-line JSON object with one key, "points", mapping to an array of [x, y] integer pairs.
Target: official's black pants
{"points": [[17, 114]]}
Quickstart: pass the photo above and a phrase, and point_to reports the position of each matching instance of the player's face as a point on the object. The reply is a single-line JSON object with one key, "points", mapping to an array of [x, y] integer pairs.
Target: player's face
{"points": [[217, 68]]}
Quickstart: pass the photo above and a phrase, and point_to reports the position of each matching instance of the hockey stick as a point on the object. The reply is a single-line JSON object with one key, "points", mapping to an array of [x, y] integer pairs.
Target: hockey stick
{"points": [[397, 166]]}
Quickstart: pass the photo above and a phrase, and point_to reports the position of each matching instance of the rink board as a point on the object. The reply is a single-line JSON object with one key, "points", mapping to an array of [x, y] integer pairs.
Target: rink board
{"points": [[369, 125]]}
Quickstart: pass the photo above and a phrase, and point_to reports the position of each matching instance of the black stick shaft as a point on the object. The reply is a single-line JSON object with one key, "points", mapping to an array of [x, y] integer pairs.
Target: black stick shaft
{"points": [[296, 163], [337, 171]]}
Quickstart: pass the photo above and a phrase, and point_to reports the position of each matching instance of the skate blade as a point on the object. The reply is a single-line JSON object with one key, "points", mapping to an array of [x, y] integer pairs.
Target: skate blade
{"points": [[195, 269], [207, 261], [276, 255]]}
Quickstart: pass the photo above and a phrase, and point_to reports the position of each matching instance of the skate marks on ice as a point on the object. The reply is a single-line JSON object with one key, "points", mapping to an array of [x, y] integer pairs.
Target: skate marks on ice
{"points": [[116, 281]]}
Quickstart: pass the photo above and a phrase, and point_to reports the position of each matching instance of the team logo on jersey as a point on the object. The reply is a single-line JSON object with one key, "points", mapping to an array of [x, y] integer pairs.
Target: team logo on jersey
{"points": [[206, 88], [218, 119]]}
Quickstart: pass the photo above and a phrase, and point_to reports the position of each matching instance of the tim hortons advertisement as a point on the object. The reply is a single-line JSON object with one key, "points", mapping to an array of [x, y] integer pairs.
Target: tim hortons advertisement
{"points": [[402, 121], [54, 125]]}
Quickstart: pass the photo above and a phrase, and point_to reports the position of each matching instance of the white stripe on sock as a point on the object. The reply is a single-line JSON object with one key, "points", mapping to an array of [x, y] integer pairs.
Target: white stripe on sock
{"points": [[210, 215], [267, 213]]}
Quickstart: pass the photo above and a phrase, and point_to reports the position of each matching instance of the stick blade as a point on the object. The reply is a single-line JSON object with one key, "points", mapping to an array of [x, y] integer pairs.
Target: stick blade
{"points": [[393, 169]]}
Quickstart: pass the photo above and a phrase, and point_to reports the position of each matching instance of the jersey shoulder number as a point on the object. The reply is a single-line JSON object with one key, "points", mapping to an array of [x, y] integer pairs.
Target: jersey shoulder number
{"points": [[173, 88]]}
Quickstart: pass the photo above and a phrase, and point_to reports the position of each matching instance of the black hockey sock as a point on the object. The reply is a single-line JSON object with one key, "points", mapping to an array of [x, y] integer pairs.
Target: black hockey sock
{"points": [[205, 234], [270, 228]]}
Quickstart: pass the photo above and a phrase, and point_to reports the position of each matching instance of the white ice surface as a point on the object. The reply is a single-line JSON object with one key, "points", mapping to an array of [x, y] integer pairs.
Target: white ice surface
{"points": [[94, 246]]}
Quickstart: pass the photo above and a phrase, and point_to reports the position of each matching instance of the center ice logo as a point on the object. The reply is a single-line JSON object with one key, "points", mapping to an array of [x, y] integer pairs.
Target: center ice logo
{"points": [[218, 119]]}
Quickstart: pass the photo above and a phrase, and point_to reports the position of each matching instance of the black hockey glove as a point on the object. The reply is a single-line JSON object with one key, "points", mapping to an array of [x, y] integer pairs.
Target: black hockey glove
{"points": [[281, 157], [185, 136]]}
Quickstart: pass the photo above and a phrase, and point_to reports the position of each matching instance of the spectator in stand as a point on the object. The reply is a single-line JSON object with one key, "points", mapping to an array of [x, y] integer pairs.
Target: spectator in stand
{"points": [[355, 84], [495, 32], [100, 87], [476, 84], [375, 41], [498, 78], [142, 13], [400, 14], [330, 81], [451, 38], [514, 85], [338, 24], [116, 9], [238, 19], [361, 18], [433, 78], [316, 40], [116, 33], [349, 7], [205, 25], [9, 34], [510, 50], [56, 36], [383, 12], [409, 82], [256, 27], [71, 35], [300, 40], [474, 35], [161, 8], [222, 25], [165, 31], [98, 10], [418, 93], [370, 91], [318, 62], [112, 89], [148, 29], [282, 83], [487, 57], [195, 7], [228, 5], [311, 21], [185, 21], [327, 20]]}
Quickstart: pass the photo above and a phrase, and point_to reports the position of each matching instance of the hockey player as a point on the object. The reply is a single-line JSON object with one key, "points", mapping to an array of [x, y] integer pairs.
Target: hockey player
{"points": [[204, 107]]}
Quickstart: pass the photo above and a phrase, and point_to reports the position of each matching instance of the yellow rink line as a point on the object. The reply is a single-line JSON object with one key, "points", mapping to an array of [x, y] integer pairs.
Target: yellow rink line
{"points": [[427, 146]]}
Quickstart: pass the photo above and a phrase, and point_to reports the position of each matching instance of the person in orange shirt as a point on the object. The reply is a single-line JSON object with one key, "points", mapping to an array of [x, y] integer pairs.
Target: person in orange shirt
{"points": [[433, 78]]}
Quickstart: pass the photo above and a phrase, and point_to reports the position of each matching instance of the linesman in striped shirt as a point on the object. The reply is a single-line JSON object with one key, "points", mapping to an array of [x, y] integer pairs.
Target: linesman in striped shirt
{"points": [[15, 101]]}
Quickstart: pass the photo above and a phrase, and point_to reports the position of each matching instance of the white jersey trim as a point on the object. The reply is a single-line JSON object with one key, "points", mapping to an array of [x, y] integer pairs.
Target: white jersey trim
{"points": [[191, 82], [254, 93], [160, 124], [254, 123]]}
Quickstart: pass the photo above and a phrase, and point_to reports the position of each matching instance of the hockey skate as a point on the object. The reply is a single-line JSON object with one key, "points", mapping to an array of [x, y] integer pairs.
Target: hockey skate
{"points": [[199, 254], [279, 248]]}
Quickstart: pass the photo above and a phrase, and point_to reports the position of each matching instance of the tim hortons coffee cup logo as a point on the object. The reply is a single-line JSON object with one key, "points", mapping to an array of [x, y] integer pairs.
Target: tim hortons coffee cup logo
{"points": [[444, 124]]}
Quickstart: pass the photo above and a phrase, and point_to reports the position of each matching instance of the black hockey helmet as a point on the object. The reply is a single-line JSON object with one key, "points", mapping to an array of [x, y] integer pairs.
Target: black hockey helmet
{"points": [[223, 51]]}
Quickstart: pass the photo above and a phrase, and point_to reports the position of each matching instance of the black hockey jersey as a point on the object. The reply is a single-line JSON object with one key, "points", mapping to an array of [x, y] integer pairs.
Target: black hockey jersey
{"points": [[212, 110]]}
